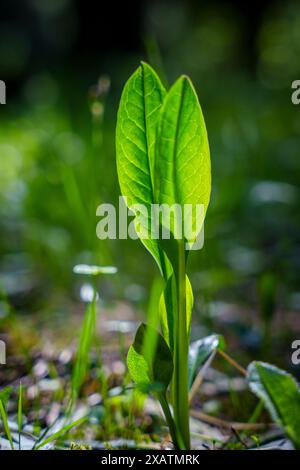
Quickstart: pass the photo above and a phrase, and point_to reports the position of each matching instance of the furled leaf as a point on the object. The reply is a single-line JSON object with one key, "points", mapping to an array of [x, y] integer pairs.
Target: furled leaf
{"points": [[168, 305], [141, 100], [200, 351], [149, 359], [182, 162], [280, 394]]}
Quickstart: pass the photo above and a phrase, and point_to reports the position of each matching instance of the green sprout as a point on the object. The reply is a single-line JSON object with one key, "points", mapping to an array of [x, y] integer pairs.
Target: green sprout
{"points": [[163, 158], [87, 328]]}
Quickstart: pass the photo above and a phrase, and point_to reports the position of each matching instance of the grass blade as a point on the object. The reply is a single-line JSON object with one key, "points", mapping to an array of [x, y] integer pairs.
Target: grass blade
{"points": [[20, 414], [60, 433], [85, 340], [5, 424]]}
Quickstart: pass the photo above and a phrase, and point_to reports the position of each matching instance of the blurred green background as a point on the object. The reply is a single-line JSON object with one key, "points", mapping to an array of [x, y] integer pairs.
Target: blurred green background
{"points": [[65, 63]]}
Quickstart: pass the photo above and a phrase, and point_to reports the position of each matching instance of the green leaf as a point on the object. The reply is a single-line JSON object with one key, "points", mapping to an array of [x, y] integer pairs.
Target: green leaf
{"points": [[20, 413], [149, 359], [168, 305], [182, 163], [200, 351], [20, 406], [141, 100], [4, 419], [280, 394]]}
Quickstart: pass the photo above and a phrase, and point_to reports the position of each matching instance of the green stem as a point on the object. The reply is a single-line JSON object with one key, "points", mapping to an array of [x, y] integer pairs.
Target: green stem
{"points": [[180, 379], [177, 441]]}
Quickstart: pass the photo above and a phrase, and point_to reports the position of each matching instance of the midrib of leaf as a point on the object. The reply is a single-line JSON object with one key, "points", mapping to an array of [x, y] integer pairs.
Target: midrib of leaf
{"points": [[136, 169], [150, 165], [178, 164], [188, 148], [176, 139], [147, 135], [145, 171]]}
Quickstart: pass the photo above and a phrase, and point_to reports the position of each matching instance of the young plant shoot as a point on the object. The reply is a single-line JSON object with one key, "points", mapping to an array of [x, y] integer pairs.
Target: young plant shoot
{"points": [[163, 160]]}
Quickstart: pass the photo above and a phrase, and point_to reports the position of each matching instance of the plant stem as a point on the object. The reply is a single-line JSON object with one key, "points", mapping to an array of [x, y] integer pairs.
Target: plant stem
{"points": [[170, 421], [180, 379]]}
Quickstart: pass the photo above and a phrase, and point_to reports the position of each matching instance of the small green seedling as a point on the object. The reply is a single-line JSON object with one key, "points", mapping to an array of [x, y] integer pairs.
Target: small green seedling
{"points": [[87, 329], [37, 443], [163, 158]]}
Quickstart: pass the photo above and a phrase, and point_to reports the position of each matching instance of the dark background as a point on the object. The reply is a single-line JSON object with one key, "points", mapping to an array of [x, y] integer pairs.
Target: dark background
{"points": [[79, 35]]}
